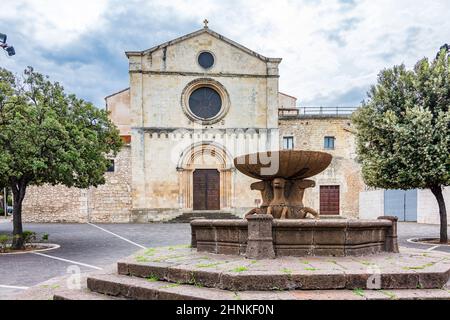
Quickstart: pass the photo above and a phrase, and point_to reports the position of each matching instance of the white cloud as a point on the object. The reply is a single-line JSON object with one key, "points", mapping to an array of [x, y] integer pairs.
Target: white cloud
{"points": [[54, 23], [332, 50]]}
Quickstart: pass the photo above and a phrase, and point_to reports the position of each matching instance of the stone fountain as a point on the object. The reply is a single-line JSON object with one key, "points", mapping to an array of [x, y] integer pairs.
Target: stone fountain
{"points": [[281, 225], [218, 265]]}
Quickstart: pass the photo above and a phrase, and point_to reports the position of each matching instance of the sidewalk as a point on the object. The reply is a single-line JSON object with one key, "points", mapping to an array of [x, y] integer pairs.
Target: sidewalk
{"points": [[3, 220]]}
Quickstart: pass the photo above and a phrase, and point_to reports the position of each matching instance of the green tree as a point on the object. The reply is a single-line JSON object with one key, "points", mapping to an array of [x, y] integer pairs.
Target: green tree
{"points": [[403, 130], [49, 137]]}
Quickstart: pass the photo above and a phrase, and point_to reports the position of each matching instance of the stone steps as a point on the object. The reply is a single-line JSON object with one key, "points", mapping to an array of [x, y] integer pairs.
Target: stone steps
{"points": [[270, 280], [213, 215], [181, 273], [113, 287], [83, 294], [141, 289]]}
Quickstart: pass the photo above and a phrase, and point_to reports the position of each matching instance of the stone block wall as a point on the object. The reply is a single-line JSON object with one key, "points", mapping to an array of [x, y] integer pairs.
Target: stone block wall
{"points": [[54, 204], [112, 202], [108, 203], [309, 133]]}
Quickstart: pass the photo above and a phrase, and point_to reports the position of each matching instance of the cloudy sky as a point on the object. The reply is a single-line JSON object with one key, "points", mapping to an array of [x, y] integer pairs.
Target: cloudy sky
{"points": [[332, 50]]}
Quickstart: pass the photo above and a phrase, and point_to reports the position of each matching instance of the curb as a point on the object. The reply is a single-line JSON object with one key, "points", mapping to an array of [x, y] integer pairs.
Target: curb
{"points": [[421, 241], [47, 247]]}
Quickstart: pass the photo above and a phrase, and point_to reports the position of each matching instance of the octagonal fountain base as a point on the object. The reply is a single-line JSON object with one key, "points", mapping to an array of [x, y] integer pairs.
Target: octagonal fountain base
{"points": [[261, 237]]}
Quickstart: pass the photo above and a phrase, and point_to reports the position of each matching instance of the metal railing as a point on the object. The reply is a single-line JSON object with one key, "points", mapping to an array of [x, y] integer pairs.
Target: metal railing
{"points": [[313, 111]]}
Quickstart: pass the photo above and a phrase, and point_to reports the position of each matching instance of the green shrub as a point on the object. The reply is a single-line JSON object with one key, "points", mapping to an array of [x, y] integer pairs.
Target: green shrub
{"points": [[4, 239], [45, 237], [29, 237]]}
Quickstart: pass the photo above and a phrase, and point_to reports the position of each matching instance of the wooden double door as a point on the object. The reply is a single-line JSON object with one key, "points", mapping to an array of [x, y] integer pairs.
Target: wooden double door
{"points": [[206, 190], [329, 200]]}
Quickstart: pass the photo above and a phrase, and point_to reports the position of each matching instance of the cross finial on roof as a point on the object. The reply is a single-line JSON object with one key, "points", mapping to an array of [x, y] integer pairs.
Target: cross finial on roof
{"points": [[206, 23]]}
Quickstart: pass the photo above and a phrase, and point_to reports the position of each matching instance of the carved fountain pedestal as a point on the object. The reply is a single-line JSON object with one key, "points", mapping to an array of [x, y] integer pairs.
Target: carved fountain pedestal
{"points": [[283, 182], [279, 227]]}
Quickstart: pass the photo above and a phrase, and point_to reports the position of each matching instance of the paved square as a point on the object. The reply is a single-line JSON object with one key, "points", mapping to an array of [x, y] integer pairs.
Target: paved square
{"points": [[89, 245]]}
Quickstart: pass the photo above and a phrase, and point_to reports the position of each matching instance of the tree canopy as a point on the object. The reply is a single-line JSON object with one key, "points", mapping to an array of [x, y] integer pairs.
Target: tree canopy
{"points": [[403, 128], [50, 137]]}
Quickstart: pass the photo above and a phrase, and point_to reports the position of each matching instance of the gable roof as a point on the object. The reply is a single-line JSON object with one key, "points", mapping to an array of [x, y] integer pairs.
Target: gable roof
{"points": [[287, 95], [116, 93], [197, 33]]}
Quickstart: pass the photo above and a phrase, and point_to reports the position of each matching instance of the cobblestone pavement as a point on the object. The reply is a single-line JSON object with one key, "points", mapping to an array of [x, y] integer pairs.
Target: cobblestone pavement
{"points": [[89, 248]]}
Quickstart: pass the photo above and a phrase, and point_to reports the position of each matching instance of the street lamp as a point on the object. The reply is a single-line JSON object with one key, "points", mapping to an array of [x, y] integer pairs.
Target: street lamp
{"points": [[9, 49]]}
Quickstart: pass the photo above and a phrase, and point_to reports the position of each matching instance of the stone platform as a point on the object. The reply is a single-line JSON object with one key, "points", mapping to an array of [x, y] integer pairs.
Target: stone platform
{"points": [[407, 270], [180, 273]]}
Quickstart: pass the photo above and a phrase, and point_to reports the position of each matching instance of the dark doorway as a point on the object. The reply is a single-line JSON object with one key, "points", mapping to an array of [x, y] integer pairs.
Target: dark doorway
{"points": [[329, 200], [206, 190]]}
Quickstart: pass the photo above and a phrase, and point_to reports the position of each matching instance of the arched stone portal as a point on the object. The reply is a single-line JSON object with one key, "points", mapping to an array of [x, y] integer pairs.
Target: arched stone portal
{"points": [[205, 157]]}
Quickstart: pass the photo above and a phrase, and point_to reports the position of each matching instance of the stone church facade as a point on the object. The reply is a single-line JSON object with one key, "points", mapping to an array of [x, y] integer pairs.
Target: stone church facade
{"points": [[193, 105]]}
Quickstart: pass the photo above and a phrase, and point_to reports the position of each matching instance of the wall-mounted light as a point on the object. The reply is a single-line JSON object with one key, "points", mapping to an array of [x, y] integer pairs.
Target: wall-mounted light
{"points": [[3, 38], [9, 49]]}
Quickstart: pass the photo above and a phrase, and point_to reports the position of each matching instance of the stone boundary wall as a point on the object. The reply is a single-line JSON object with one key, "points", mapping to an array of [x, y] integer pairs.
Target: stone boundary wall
{"points": [[48, 204], [109, 203], [428, 209], [371, 204]]}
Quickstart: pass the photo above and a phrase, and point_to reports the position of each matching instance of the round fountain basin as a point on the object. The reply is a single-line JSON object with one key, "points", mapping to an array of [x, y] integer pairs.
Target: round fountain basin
{"points": [[287, 164]]}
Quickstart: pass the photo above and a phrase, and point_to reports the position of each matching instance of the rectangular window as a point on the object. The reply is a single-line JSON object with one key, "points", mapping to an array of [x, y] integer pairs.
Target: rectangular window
{"points": [[288, 143], [329, 143], [112, 166]]}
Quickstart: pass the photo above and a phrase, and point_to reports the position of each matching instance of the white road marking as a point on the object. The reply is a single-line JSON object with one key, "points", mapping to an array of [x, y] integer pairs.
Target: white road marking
{"points": [[433, 247], [13, 287], [120, 237], [68, 261]]}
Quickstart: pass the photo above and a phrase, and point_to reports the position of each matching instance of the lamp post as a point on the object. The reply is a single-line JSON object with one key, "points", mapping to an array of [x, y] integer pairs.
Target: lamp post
{"points": [[9, 49]]}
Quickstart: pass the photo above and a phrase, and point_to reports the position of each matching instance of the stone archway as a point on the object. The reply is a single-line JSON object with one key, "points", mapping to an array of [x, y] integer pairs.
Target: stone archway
{"points": [[205, 156]]}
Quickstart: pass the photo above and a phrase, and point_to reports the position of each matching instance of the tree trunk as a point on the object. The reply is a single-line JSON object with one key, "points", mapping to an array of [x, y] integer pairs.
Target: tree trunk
{"points": [[437, 191], [2, 202], [18, 189]]}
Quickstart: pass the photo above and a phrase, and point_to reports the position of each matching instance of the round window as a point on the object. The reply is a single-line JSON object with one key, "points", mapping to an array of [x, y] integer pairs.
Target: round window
{"points": [[206, 60], [205, 103]]}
